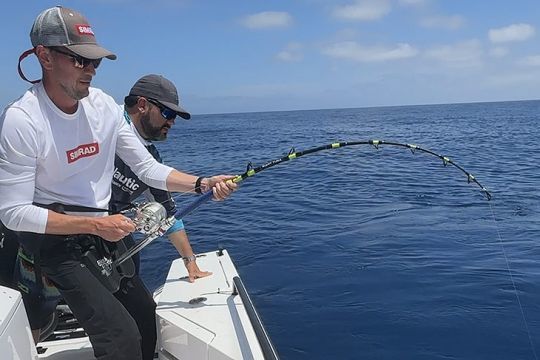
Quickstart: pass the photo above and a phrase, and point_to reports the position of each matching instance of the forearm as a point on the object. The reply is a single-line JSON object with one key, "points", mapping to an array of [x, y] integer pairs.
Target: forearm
{"points": [[61, 224], [31, 218], [133, 153], [221, 185], [181, 243], [111, 228], [183, 182]]}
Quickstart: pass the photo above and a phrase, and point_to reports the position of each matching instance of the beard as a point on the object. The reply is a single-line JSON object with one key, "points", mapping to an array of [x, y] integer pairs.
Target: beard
{"points": [[75, 94], [152, 132]]}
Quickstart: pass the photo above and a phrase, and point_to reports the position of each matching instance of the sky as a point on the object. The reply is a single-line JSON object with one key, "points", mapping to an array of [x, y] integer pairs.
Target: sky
{"points": [[252, 55]]}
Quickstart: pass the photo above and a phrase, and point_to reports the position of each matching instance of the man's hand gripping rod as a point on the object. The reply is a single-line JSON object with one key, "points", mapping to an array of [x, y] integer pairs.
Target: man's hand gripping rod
{"points": [[151, 220]]}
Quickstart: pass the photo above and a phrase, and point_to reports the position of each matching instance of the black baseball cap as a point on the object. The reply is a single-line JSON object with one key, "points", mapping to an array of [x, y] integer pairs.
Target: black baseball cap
{"points": [[160, 89]]}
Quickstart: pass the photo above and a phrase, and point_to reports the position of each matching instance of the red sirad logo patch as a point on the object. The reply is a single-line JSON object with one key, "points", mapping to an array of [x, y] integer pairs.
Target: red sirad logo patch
{"points": [[84, 30], [82, 151]]}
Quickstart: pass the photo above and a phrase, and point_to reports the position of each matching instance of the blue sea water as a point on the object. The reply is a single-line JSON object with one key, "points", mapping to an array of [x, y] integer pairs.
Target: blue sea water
{"points": [[364, 253]]}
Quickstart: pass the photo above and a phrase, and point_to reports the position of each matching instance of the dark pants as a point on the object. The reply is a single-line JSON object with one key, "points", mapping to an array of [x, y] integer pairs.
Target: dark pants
{"points": [[8, 255], [138, 301], [113, 332]]}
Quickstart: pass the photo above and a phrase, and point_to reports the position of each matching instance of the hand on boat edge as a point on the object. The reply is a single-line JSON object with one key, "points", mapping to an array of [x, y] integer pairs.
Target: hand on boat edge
{"points": [[194, 272]]}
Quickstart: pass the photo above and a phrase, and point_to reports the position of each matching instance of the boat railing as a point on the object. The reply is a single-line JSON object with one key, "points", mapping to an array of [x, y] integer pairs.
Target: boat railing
{"points": [[268, 350]]}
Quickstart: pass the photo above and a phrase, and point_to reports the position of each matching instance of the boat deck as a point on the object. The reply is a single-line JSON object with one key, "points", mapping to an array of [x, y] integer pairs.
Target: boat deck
{"points": [[204, 319]]}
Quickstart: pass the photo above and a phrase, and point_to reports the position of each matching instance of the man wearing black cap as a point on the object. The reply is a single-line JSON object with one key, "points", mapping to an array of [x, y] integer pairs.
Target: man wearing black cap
{"points": [[57, 147], [150, 109], [148, 94]]}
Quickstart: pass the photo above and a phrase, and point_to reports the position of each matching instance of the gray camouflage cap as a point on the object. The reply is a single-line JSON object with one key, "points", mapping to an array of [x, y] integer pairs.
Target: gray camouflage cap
{"points": [[60, 26]]}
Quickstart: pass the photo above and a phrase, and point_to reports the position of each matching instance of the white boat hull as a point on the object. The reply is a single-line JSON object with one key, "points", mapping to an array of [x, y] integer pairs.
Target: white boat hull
{"points": [[201, 320], [204, 320], [15, 335]]}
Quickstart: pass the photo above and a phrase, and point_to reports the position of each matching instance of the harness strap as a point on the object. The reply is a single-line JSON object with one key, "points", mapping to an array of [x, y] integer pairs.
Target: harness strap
{"points": [[35, 249], [61, 208]]}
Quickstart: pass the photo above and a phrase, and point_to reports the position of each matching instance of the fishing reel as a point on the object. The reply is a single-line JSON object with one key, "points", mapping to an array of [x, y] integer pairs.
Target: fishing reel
{"points": [[149, 217], [151, 220], [109, 265]]}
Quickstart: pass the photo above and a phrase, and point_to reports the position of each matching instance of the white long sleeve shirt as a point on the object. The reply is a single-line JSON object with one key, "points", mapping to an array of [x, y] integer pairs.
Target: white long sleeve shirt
{"points": [[49, 156]]}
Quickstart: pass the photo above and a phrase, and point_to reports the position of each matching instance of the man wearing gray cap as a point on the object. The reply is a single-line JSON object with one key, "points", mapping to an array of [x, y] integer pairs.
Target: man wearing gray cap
{"points": [[57, 147], [150, 109]]}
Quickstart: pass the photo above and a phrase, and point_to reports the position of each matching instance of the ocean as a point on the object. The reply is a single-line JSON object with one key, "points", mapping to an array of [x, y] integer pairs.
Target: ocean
{"points": [[365, 253]]}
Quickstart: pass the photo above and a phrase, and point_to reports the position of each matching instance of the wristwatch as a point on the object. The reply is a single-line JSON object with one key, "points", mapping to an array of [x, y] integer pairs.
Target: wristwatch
{"points": [[188, 259]]}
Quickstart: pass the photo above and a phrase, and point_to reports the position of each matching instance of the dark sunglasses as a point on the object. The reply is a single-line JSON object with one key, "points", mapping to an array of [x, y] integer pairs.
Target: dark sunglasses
{"points": [[167, 113], [79, 61]]}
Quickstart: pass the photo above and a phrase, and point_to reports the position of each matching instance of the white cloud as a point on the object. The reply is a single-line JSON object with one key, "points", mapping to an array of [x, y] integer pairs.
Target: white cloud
{"points": [[363, 10], [463, 54], [453, 22], [498, 52], [351, 50], [413, 2], [514, 32], [292, 53], [533, 60], [347, 34], [267, 19]]}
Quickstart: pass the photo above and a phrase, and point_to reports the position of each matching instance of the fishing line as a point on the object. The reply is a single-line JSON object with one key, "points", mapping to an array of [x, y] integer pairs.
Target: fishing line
{"points": [[293, 154], [513, 282]]}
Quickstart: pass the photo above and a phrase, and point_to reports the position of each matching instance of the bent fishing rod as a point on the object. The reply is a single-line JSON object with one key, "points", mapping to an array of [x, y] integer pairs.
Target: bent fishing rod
{"points": [[252, 171]]}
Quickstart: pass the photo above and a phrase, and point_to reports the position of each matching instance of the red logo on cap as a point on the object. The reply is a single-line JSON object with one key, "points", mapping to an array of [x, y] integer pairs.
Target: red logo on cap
{"points": [[84, 30], [82, 151]]}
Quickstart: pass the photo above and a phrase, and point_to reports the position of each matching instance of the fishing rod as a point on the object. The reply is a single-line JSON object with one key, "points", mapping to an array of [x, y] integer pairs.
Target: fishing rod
{"points": [[252, 171], [376, 143]]}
